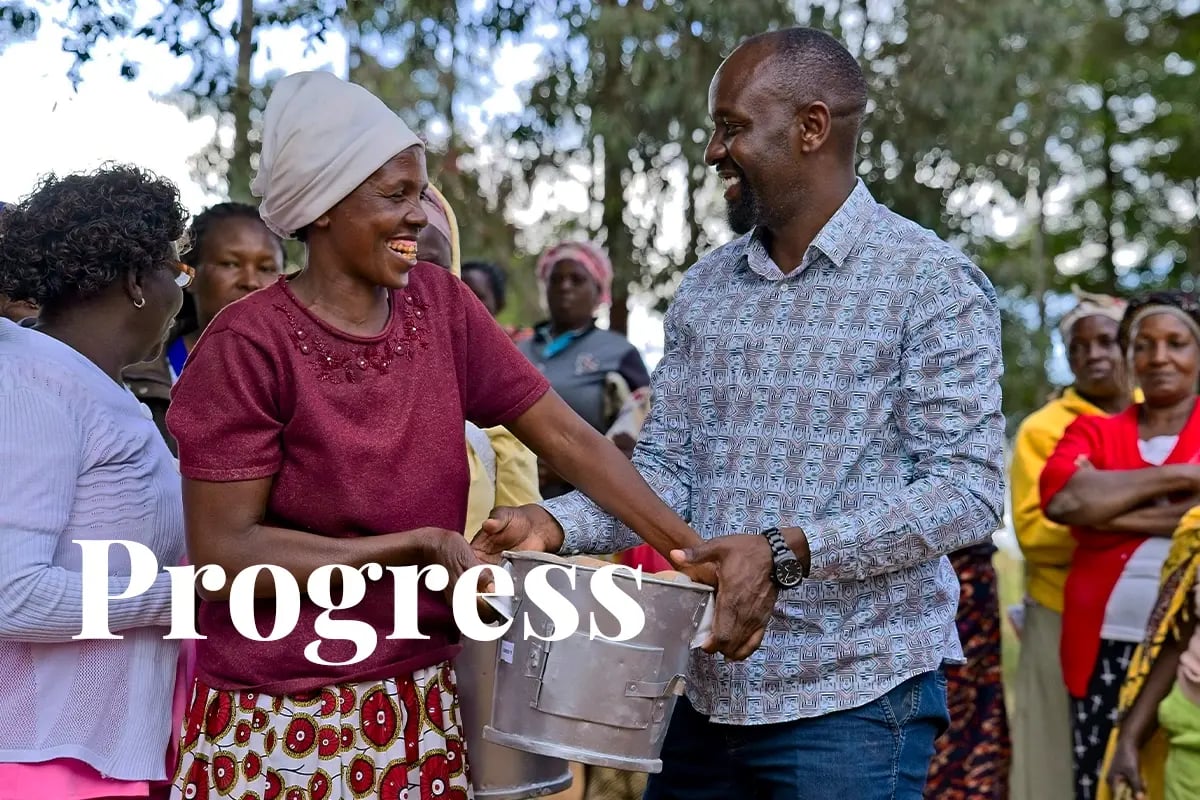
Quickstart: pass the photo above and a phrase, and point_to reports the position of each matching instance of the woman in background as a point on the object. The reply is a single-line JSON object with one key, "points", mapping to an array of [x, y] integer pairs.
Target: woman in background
{"points": [[233, 254], [490, 284], [82, 460], [1123, 483], [1042, 736], [594, 370]]}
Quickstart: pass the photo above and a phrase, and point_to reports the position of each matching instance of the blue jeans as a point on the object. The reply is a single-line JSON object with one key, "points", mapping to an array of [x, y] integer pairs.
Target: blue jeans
{"points": [[880, 751]]}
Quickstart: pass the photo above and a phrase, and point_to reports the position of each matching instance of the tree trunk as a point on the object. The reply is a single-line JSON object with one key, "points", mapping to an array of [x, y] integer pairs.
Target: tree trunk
{"points": [[1194, 255], [695, 183], [1109, 280], [618, 244], [240, 170], [450, 162], [353, 44], [1042, 269]]}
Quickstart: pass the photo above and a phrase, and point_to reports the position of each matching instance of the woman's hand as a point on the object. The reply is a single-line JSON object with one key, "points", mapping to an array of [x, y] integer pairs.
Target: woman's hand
{"points": [[1124, 774], [451, 550]]}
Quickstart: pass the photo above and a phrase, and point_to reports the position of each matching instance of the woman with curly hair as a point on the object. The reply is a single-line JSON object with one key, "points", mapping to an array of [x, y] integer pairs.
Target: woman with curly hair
{"points": [[233, 254], [83, 461], [1123, 483], [21, 312]]}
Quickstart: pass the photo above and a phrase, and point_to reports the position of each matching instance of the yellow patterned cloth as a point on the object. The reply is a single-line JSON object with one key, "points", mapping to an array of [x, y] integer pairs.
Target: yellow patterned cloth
{"points": [[1174, 606]]}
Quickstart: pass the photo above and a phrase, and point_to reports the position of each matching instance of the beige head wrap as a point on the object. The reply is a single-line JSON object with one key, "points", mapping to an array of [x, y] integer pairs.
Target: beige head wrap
{"points": [[1090, 305], [322, 137]]}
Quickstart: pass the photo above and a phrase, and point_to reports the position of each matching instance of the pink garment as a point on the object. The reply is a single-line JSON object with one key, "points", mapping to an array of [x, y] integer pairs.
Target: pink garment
{"points": [[69, 779]]}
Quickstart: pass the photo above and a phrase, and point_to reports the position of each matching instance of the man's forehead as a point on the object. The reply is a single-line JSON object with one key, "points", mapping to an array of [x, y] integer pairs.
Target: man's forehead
{"points": [[746, 71]]}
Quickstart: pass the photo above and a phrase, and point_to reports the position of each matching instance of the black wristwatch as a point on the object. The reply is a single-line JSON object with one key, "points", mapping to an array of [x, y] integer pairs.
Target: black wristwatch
{"points": [[788, 572]]}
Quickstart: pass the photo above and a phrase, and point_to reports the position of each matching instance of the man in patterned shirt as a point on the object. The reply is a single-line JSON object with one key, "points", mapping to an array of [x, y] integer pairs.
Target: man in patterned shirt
{"points": [[833, 373]]}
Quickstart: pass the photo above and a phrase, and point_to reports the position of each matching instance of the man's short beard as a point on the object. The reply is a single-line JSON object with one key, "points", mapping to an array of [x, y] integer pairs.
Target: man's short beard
{"points": [[744, 213]]}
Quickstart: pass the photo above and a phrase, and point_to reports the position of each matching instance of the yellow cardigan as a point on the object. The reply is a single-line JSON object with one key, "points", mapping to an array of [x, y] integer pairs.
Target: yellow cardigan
{"points": [[1047, 546]]}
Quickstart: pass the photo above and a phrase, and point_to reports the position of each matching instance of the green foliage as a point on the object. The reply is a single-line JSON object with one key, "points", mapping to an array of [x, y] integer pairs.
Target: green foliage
{"points": [[1056, 142]]}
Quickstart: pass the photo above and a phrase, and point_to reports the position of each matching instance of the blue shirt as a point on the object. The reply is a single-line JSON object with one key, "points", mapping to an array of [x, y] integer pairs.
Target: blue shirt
{"points": [[858, 398]]}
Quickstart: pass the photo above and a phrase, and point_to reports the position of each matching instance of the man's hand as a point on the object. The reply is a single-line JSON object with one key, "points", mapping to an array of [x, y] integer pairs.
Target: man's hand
{"points": [[528, 527], [745, 591]]}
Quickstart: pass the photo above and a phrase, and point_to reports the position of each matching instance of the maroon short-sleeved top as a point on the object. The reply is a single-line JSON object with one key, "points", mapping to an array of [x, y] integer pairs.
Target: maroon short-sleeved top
{"points": [[362, 436]]}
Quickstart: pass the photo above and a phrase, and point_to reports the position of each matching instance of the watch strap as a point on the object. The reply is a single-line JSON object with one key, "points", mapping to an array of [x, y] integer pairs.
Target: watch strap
{"points": [[779, 548]]}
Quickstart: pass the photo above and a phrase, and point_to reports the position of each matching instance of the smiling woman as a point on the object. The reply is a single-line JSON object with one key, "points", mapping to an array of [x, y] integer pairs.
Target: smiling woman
{"points": [[1123, 483], [320, 421], [306, 439]]}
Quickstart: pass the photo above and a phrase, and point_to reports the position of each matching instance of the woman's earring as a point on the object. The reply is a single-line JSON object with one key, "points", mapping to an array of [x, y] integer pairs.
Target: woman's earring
{"points": [[139, 303]]}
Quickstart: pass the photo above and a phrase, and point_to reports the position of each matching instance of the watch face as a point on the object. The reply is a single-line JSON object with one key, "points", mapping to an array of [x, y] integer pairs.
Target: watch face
{"points": [[789, 573]]}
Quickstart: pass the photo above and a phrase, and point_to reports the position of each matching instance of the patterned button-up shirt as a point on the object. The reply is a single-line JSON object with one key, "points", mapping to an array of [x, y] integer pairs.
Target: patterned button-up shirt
{"points": [[858, 398]]}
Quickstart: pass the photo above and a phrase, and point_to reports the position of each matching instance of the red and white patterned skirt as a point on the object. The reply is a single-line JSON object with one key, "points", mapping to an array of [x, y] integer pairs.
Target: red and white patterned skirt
{"points": [[395, 739]]}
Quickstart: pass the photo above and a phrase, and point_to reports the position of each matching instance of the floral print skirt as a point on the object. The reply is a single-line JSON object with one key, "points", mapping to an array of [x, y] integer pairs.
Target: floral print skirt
{"points": [[395, 739], [971, 759]]}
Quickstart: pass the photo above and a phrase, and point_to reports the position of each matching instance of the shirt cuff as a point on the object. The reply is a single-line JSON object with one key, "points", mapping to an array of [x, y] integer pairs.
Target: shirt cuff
{"points": [[822, 537], [566, 510]]}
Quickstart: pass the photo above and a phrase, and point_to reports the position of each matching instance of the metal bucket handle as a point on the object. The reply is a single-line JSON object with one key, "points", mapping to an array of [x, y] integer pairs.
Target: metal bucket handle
{"points": [[655, 691]]}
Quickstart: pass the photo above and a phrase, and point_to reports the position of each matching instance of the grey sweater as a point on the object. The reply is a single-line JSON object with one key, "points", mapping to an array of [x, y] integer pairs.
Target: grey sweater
{"points": [[578, 371]]}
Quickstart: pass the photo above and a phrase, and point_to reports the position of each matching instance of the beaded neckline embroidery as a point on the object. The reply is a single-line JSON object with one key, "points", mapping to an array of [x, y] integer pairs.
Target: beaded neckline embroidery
{"points": [[341, 362]]}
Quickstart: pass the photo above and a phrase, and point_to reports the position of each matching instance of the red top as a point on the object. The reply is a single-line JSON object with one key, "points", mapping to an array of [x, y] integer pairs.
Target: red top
{"points": [[361, 435], [1108, 443]]}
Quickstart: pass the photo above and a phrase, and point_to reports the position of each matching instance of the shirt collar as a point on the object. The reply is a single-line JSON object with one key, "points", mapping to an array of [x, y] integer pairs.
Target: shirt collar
{"points": [[835, 239], [541, 331]]}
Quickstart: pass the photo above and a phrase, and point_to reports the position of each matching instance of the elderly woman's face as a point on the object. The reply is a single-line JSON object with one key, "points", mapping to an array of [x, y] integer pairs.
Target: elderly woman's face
{"points": [[374, 229], [572, 294], [1166, 360]]}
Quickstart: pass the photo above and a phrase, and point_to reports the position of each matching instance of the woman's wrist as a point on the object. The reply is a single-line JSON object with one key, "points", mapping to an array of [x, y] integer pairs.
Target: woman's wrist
{"points": [[419, 547]]}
